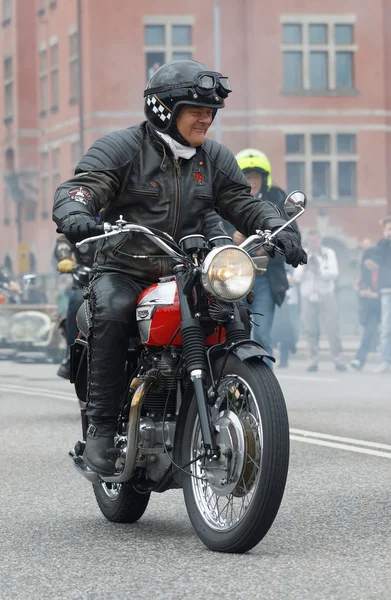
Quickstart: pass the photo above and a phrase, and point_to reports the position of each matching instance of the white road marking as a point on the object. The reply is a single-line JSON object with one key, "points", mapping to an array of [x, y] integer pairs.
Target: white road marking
{"points": [[38, 392], [340, 446], [337, 438], [297, 435]]}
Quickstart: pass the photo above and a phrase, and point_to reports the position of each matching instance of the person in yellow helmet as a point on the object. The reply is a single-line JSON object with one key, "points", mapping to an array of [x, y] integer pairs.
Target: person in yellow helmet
{"points": [[269, 290]]}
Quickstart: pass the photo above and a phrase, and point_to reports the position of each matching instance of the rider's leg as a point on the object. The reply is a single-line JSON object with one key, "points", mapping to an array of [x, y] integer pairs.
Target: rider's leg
{"points": [[112, 299]]}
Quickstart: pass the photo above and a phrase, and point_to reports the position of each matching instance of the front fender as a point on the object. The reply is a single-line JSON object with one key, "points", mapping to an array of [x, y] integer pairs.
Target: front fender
{"points": [[250, 349], [244, 350]]}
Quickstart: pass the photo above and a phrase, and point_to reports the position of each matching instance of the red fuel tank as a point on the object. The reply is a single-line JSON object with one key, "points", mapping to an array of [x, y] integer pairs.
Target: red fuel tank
{"points": [[159, 317]]}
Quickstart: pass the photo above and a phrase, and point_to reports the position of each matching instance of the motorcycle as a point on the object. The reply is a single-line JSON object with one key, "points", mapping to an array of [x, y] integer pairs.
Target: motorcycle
{"points": [[200, 410], [33, 332]]}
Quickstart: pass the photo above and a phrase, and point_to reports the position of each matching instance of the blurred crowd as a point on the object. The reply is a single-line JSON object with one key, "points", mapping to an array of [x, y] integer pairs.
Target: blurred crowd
{"points": [[289, 305], [311, 305]]}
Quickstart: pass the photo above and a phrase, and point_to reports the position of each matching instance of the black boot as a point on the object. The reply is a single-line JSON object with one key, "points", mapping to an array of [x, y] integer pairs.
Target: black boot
{"points": [[64, 369], [100, 438]]}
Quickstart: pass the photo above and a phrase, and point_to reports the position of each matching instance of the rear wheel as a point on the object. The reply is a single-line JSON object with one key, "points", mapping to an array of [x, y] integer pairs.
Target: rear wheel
{"points": [[120, 502], [232, 502]]}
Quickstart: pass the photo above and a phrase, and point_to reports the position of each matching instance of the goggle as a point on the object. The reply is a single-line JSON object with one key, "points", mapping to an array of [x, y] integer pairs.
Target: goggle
{"points": [[204, 84]]}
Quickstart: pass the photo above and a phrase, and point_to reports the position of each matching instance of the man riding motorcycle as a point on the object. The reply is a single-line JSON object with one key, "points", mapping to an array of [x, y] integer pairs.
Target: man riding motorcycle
{"points": [[79, 261], [162, 173]]}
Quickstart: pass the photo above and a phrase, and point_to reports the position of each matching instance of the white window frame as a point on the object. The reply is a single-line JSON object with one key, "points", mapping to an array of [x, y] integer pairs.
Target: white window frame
{"points": [[307, 157], [331, 48], [168, 21], [8, 88]]}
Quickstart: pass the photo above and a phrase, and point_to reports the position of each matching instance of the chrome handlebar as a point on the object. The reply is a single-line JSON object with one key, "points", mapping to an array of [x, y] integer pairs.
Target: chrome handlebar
{"points": [[122, 226], [261, 238]]}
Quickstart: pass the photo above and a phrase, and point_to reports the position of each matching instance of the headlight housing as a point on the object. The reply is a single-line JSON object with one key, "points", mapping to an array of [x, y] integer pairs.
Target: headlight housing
{"points": [[228, 273]]}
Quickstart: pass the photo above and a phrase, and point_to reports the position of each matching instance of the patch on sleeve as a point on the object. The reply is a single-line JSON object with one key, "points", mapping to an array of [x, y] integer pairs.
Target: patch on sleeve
{"points": [[81, 174], [80, 194]]}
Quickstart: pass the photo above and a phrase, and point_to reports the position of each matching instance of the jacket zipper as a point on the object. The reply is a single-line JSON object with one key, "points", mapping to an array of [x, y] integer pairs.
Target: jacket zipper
{"points": [[177, 207]]}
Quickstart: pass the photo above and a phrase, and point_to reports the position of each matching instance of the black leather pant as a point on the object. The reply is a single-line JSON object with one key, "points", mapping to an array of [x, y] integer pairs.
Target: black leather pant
{"points": [[113, 300]]}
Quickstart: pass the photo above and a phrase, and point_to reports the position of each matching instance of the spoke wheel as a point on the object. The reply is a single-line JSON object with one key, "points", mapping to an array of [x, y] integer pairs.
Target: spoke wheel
{"points": [[111, 489], [224, 489], [233, 501]]}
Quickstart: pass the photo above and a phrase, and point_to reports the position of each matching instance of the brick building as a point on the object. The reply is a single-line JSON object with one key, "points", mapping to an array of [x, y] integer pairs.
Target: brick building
{"points": [[310, 89]]}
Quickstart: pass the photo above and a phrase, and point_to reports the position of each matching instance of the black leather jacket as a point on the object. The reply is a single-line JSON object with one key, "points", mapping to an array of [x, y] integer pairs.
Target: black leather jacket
{"points": [[132, 172]]}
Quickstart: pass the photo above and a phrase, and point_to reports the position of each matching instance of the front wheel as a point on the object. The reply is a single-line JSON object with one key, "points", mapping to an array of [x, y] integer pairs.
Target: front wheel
{"points": [[232, 502]]}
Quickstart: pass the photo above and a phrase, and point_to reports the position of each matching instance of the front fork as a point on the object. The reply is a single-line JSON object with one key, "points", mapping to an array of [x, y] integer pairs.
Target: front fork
{"points": [[193, 340]]}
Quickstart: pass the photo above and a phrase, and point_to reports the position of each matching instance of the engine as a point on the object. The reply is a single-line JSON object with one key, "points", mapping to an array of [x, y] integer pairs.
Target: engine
{"points": [[163, 396], [160, 406]]}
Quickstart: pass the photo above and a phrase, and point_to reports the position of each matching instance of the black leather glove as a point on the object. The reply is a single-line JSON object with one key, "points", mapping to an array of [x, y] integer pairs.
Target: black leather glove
{"points": [[79, 226], [289, 241]]}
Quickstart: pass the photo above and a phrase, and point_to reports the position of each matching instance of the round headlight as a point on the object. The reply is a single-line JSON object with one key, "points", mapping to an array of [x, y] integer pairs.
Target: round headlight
{"points": [[228, 273]]}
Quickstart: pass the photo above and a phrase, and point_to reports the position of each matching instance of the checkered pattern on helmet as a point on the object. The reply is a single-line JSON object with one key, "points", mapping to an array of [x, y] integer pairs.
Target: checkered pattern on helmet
{"points": [[158, 108]]}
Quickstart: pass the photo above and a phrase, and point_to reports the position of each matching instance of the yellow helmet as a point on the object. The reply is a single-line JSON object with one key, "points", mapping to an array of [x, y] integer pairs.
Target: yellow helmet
{"points": [[251, 160]]}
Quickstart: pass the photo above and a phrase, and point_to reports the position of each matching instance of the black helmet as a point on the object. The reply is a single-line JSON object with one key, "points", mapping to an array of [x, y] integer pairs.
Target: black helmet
{"points": [[182, 82]]}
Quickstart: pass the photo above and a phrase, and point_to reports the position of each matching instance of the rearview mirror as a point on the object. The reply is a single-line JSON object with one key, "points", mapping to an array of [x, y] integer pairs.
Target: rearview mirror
{"points": [[295, 204]]}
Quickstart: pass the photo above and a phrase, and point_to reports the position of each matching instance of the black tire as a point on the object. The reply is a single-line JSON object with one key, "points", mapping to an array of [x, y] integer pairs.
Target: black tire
{"points": [[126, 506], [267, 487]]}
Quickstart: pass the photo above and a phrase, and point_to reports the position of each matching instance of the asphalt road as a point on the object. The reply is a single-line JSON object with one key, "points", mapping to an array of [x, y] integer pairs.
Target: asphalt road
{"points": [[331, 539]]}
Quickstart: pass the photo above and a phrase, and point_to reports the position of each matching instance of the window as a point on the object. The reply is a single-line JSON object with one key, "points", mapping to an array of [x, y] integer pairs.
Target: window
{"points": [[8, 88], [41, 9], [294, 144], [75, 153], [31, 210], [167, 38], [43, 81], [318, 53], [54, 76], [45, 182], [322, 164], [74, 65], [6, 205], [7, 11], [56, 170]]}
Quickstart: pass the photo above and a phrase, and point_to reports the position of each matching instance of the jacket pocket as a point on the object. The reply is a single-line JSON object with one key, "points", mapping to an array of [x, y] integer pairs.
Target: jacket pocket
{"points": [[138, 192], [205, 199]]}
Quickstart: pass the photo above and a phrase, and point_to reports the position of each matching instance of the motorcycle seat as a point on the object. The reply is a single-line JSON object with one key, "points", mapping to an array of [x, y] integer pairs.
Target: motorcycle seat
{"points": [[82, 319]]}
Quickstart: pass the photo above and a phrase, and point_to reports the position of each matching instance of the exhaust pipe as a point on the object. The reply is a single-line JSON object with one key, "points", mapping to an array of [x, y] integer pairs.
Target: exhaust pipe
{"points": [[133, 426], [132, 443]]}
